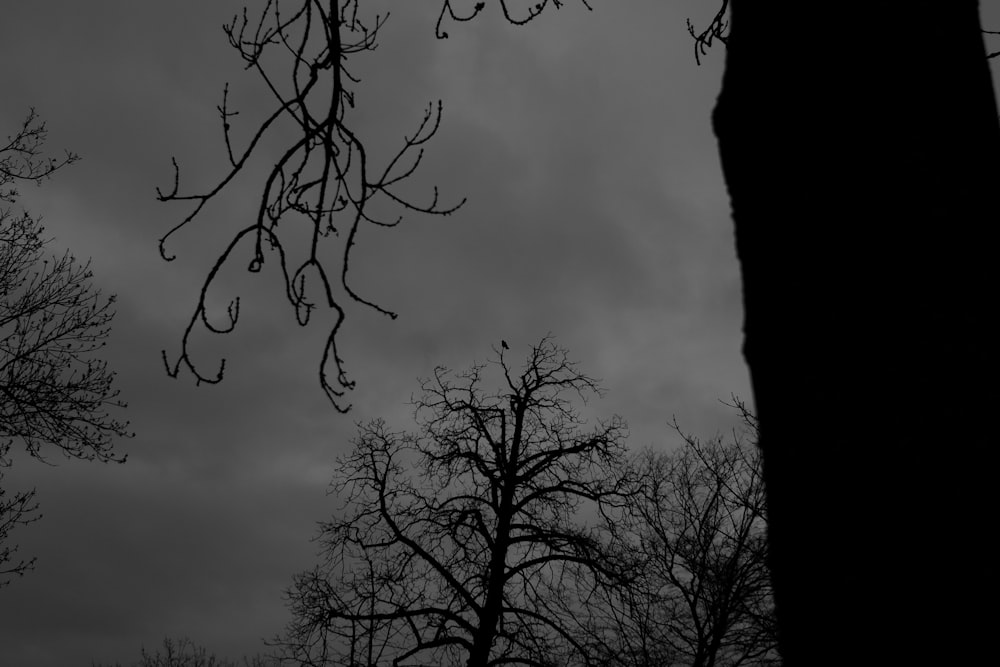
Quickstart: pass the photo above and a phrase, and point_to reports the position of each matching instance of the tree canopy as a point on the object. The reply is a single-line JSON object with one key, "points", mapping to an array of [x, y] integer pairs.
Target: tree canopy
{"points": [[56, 392]]}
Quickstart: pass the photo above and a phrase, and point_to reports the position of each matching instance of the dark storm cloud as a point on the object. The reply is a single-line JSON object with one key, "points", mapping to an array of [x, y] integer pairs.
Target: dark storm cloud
{"points": [[595, 211]]}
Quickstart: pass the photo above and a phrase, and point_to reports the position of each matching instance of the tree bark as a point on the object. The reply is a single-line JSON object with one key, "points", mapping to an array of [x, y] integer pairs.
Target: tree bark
{"points": [[860, 146], [489, 616]]}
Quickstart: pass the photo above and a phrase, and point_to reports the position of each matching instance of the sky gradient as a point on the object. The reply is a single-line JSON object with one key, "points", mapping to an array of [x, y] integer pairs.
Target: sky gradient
{"points": [[596, 211]]}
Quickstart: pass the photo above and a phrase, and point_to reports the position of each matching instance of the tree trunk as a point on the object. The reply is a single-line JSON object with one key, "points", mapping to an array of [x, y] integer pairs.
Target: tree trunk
{"points": [[860, 147], [489, 616]]}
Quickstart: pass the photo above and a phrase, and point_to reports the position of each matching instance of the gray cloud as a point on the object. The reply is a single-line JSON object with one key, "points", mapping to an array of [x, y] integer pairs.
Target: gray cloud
{"points": [[596, 211]]}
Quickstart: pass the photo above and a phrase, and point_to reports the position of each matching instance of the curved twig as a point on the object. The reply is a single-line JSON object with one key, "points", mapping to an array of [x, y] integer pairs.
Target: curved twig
{"points": [[322, 179]]}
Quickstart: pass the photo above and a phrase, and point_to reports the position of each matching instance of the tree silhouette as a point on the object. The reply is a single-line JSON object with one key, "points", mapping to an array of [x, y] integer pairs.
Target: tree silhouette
{"points": [[695, 529], [54, 391], [859, 146], [324, 179], [457, 542], [184, 652]]}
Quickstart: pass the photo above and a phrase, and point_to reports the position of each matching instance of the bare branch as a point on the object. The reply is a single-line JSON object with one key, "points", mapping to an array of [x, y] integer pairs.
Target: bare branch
{"points": [[323, 180], [55, 390], [520, 16], [696, 534], [19, 509], [462, 541], [717, 29]]}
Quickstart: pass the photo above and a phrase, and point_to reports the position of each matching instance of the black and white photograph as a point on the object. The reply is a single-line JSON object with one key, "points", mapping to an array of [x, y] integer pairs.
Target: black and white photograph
{"points": [[552, 333]]}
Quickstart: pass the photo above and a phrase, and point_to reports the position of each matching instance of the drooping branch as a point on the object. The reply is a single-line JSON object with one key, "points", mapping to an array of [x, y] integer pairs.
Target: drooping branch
{"points": [[324, 179], [519, 16], [717, 29]]}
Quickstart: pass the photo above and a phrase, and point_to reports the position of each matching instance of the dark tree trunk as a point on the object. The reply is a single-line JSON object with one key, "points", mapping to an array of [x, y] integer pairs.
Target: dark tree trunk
{"points": [[860, 146], [489, 616]]}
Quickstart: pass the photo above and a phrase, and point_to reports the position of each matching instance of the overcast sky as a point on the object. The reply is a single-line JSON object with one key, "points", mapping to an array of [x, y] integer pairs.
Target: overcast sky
{"points": [[596, 212]]}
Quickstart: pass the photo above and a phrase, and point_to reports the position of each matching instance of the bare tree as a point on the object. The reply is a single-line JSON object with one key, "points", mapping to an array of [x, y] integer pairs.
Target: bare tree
{"points": [[696, 529], [456, 541], [54, 390], [324, 180], [186, 653]]}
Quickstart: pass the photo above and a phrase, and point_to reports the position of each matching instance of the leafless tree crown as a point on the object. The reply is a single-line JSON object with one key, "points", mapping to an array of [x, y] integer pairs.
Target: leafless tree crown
{"points": [[456, 542], [54, 389], [696, 529]]}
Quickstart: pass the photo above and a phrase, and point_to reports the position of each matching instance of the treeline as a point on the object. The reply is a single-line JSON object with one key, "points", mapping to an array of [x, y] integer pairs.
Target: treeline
{"points": [[506, 530]]}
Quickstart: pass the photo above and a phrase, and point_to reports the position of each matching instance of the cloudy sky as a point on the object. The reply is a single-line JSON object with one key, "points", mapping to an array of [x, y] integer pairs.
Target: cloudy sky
{"points": [[596, 211]]}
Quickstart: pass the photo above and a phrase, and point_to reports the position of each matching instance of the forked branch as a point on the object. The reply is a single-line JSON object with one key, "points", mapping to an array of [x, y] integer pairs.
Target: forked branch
{"points": [[323, 179]]}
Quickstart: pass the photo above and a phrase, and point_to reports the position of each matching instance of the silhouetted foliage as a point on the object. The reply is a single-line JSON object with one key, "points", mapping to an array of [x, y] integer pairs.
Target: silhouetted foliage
{"points": [[54, 390], [696, 529], [456, 543], [324, 180], [185, 653]]}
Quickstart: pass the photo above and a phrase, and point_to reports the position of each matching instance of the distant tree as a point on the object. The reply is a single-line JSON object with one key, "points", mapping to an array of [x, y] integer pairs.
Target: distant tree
{"points": [[696, 529], [456, 542], [324, 181], [54, 390], [186, 653]]}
